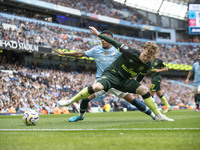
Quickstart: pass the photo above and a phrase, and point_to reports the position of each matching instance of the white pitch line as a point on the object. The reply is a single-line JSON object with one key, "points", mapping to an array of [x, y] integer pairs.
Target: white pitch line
{"points": [[123, 129]]}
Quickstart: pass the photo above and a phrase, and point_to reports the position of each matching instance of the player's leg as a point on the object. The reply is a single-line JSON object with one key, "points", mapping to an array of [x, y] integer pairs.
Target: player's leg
{"points": [[133, 86], [84, 106], [155, 87], [197, 104], [140, 106], [198, 98], [195, 98], [129, 97], [102, 83], [86, 92], [164, 100], [152, 93], [150, 102], [84, 102]]}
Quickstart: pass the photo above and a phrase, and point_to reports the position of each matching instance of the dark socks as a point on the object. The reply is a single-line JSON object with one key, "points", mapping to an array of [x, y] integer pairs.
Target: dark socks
{"points": [[84, 105], [198, 101], [141, 106]]}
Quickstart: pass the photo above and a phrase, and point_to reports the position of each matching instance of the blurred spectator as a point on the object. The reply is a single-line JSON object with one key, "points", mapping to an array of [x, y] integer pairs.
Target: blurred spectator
{"points": [[56, 110], [11, 109], [64, 110], [44, 111], [106, 107]]}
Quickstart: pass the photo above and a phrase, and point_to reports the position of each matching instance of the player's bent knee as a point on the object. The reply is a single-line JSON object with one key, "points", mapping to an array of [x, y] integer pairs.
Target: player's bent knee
{"points": [[159, 93], [128, 97], [124, 95], [97, 87], [142, 90]]}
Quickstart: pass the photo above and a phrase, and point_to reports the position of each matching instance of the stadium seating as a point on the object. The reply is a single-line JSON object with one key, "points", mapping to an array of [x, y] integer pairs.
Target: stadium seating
{"points": [[105, 7], [40, 87], [27, 30]]}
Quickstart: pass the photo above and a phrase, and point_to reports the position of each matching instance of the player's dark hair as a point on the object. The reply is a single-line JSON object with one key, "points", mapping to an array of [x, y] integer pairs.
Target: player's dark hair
{"points": [[107, 32]]}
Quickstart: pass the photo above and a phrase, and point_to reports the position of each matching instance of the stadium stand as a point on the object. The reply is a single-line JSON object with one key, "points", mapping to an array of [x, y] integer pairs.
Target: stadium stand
{"points": [[102, 7], [33, 31], [25, 87]]}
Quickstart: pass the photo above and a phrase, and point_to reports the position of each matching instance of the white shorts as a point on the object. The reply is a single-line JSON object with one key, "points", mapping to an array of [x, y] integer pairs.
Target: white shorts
{"points": [[114, 91], [196, 89]]}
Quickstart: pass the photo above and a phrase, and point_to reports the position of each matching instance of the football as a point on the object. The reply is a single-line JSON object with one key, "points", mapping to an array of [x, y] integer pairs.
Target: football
{"points": [[30, 118]]}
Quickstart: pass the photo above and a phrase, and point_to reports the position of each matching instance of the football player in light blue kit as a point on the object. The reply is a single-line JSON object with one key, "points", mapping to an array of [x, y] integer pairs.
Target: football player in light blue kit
{"points": [[196, 70], [103, 55]]}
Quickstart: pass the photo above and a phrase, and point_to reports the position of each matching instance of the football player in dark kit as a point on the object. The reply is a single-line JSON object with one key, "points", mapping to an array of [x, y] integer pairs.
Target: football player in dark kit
{"points": [[120, 73], [158, 66]]}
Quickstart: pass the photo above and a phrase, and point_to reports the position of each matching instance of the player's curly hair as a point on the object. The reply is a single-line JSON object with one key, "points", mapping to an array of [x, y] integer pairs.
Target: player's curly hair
{"points": [[151, 47]]}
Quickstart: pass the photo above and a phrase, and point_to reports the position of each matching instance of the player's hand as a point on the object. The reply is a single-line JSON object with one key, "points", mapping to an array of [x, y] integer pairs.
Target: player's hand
{"points": [[156, 70], [186, 81], [94, 31], [61, 53]]}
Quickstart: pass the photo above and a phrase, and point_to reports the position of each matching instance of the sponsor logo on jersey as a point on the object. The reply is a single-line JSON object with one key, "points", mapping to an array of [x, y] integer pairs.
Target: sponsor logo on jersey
{"points": [[129, 70], [113, 53]]}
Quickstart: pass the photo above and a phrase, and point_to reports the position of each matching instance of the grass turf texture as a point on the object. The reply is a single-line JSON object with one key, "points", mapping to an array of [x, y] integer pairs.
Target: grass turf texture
{"points": [[104, 139]]}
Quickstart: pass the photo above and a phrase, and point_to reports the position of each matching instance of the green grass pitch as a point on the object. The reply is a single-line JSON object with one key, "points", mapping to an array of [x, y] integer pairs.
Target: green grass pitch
{"points": [[113, 131]]}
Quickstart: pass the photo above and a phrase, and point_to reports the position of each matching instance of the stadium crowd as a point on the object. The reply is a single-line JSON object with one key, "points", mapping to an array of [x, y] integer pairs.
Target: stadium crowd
{"points": [[104, 7], [34, 86], [62, 38], [38, 87]]}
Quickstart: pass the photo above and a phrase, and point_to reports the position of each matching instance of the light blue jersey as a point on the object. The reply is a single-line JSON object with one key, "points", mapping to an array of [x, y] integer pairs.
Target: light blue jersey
{"points": [[103, 57], [196, 71]]}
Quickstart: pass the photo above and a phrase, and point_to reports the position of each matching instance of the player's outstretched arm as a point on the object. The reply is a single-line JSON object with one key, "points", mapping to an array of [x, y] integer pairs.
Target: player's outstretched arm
{"points": [[161, 70], [75, 54], [188, 76], [94, 31]]}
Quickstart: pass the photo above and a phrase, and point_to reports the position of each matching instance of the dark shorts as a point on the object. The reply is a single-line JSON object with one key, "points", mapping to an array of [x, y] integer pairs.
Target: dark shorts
{"points": [[155, 86], [110, 80]]}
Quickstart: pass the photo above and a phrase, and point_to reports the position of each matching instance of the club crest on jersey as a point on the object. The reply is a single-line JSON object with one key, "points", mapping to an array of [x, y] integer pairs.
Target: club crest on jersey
{"points": [[130, 60], [106, 53], [141, 68]]}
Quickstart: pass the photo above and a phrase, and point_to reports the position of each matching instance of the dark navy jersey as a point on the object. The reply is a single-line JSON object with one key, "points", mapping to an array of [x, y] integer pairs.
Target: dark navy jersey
{"points": [[128, 64]]}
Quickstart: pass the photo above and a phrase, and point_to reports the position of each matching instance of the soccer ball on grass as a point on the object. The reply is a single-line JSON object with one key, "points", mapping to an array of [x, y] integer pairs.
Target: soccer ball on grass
{"points": [[30, 118]]}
